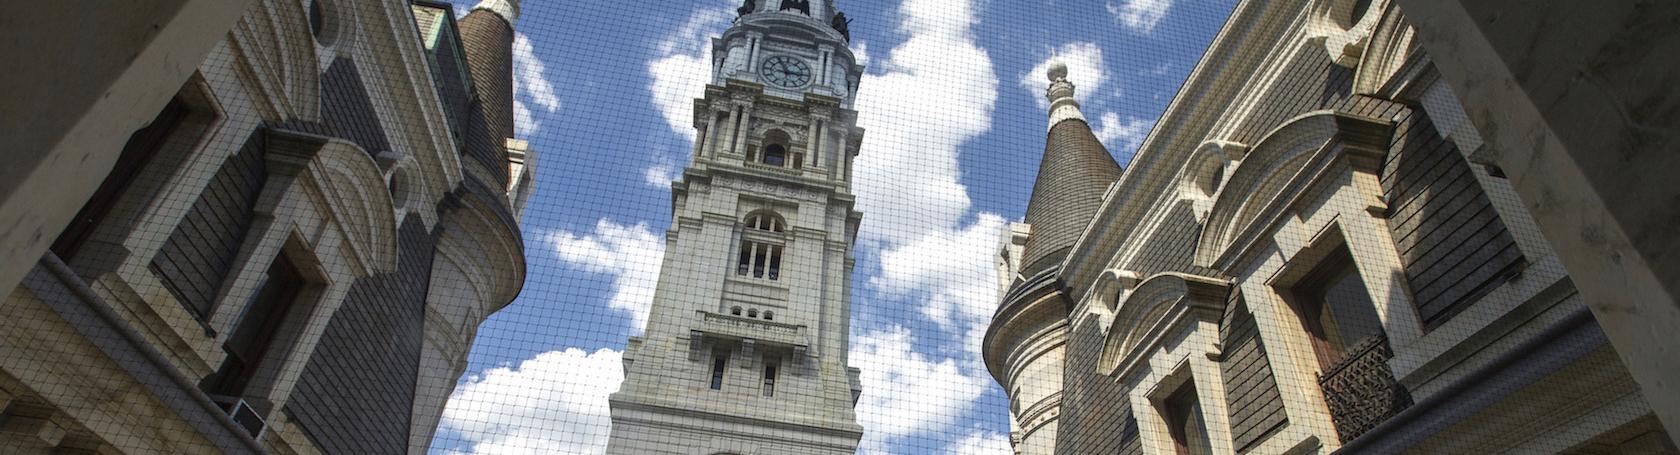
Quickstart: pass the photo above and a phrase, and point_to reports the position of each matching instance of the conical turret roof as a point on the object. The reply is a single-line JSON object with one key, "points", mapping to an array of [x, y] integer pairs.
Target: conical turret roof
{"points": [[1072, 176]]}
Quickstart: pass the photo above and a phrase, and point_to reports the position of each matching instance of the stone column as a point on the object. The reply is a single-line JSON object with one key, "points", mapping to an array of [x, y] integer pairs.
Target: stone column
{"points": [[1577, 103], [77, 96]]}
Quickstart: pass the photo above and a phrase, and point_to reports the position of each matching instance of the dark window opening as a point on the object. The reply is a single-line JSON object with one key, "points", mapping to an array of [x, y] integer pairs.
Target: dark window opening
{"points": [[142, 146], [775, 155], [257, 329], [769, 378], [746, 259], [1183, 414], [765, 222], [769, 316], [758, 260], [1335, 307], [735, 311], [720, 360]]}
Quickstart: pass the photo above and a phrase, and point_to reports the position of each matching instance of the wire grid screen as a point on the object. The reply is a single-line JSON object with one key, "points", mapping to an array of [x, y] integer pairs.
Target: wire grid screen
{"points": [[768, 227]]}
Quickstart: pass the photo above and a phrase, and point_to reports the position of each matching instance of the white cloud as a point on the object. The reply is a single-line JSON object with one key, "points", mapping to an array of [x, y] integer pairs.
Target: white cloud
{"points": [[679, 74], [555, 402], [936, 93], [1121, 136], [950, 270], [1139, 15], [906, 392], [660, 175], [982, 443], [683, 67], [631, 254], [1085, 70], [529, 78], [860, 51], [928, 96], [524, 124]]}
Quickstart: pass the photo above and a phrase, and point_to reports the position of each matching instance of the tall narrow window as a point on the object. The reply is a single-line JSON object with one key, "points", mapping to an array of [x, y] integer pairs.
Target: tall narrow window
{"points": [[770, 378], [746, 258], [760, 260], [257, 329], [720, 360], [1183, 414], [1335, 307]]}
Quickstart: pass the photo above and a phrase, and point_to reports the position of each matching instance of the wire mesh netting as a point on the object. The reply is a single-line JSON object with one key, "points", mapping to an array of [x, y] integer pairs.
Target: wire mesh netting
{"points": [[804, 227]]}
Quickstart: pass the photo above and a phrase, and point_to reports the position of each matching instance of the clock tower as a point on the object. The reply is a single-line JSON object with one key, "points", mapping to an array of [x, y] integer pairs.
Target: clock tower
{"points": [[745, 346]]}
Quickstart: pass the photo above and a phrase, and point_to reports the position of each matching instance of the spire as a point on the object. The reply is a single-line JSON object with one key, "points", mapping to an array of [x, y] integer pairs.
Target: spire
{"points": [[1072, 177], [1060, 93], [507, 9]]}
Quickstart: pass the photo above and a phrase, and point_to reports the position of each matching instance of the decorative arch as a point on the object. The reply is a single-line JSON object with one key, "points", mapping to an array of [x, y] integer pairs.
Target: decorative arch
{"points": [[1258, 184], [354, 191], [276, 46], [1385, 52], [1204, 173], [1351, 23], [1151, 310], [775, 148]]}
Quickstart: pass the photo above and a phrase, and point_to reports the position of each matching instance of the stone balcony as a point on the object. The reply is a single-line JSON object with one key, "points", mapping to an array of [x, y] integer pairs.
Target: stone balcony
{"points": [[777, 169], [740, 327]]}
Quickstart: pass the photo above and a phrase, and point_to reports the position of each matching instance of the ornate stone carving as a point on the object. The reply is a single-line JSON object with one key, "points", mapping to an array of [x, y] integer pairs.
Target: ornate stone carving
{"points": [[781, 191], [735, 60]]}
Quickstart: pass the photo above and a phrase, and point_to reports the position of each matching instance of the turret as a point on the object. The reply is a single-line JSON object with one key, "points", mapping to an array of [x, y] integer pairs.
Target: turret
{"points": [[487, 35], [1072, 177]]}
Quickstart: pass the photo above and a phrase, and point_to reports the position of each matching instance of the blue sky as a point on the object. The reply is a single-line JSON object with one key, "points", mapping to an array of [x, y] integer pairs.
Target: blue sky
{"points": [[953, 104]]}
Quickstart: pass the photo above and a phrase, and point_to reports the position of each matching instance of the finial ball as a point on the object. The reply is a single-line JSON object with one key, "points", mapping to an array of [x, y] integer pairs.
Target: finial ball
{"points": [[1058, 70]]}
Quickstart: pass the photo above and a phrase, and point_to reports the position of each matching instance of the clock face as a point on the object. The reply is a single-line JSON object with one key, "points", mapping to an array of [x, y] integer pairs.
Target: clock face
{"points": [[785, 71]]}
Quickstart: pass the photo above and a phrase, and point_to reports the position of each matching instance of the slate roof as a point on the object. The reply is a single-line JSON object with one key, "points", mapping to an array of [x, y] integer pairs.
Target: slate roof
{"points": [[1072, 177]]}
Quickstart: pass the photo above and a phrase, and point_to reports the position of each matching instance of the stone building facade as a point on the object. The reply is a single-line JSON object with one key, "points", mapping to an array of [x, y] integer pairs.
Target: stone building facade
{"points": [[746, 342], [293, 255], [1316, 250]]}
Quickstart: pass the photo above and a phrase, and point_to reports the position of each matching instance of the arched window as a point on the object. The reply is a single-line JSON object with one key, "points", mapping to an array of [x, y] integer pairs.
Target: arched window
{"points": [[764, 220], [761, 257], [775, 155], [777, 150], [752, 313], [769, 316], [735, 311]]}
